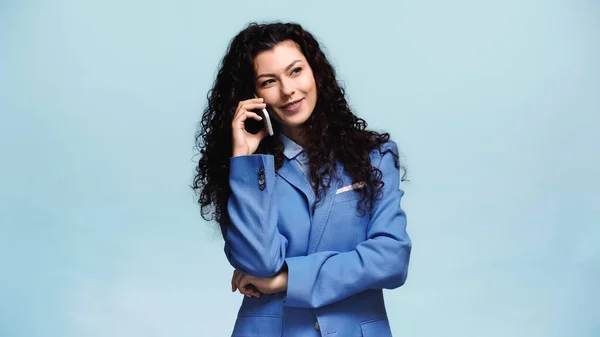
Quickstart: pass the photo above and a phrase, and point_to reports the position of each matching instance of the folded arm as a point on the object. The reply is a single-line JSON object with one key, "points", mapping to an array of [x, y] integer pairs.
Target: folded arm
{"points": [[253, 244]]}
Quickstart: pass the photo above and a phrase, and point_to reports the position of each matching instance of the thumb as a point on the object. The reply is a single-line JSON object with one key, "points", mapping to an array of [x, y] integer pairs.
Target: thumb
{"points": [[263, 133], [258, 137]]}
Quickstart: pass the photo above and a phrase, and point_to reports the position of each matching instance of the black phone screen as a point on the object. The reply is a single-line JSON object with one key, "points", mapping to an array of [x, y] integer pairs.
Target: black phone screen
{"points": [[252, 125]]}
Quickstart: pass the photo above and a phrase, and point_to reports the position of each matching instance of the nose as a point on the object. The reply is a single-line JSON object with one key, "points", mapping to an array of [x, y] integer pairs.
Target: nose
{"points": [[287, 88]]}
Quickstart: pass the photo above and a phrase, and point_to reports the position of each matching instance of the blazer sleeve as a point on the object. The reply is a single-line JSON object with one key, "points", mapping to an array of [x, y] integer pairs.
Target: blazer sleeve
{"points": [[379, 262], [253, 244]]}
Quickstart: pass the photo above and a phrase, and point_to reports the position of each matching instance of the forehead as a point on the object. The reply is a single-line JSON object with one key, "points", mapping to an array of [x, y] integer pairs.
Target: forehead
{"points": [[278, 58]]}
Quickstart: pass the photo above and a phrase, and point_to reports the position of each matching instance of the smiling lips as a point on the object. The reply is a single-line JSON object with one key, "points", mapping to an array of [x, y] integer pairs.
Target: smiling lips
{"points": [[293, 106]]}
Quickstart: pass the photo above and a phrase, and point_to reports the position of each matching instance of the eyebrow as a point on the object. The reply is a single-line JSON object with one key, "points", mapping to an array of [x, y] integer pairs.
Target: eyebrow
{"points": [[286, 68]]}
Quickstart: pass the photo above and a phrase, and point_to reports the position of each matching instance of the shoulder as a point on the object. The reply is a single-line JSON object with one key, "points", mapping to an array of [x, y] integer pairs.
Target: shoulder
{"points": [[386, 149]]}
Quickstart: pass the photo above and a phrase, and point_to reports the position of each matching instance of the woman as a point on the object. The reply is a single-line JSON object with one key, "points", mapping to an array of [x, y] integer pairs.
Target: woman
{"points": [[311, 215]]}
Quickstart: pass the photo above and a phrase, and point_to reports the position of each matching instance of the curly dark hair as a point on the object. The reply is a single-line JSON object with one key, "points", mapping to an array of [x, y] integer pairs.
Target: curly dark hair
{"points": [[334, 134]]}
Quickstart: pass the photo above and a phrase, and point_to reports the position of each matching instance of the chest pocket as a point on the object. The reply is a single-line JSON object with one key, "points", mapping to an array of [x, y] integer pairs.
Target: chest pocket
{"points": [[346, 196], [347, 193], [346, 227]]}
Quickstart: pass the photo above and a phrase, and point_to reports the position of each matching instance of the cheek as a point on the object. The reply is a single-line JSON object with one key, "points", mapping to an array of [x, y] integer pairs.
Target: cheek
{"points": [[275, 114], [311, 90], [270, 100], [310, 84]]}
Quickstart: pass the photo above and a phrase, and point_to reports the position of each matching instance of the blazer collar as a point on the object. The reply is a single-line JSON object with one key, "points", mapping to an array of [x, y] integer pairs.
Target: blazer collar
{"points": [[293, 175], [290, 149]]}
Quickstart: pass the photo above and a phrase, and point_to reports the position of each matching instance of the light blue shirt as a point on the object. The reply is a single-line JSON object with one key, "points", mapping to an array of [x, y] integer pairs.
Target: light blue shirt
{"points": [[295, 152]]}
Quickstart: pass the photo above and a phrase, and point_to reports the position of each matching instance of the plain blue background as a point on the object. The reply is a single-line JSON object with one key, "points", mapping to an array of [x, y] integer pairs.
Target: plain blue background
{"points": [[495, 105]]}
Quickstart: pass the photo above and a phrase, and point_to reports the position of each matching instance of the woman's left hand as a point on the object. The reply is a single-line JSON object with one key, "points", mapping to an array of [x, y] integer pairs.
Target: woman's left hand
{"points": [[254, 286]]}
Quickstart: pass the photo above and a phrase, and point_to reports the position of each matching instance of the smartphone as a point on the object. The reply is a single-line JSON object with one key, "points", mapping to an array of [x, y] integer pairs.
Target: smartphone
{"points": [[253, 126]]}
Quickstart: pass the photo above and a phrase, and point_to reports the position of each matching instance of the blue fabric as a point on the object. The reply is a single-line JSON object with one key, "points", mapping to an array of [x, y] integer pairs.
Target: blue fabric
{"points": [[295, 152], [338, 259]]}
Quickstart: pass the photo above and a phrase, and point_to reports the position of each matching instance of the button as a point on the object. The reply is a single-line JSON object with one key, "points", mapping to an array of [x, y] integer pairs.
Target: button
{"points": [[317, 327], [261, 178]]}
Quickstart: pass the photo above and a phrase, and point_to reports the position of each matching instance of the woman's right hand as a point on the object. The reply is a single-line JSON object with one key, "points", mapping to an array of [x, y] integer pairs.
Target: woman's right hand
{"points": [[245, 143]]}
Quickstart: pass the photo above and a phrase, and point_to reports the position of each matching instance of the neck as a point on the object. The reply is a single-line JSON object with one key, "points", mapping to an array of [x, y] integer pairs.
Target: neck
{"points": [[295, 134]]}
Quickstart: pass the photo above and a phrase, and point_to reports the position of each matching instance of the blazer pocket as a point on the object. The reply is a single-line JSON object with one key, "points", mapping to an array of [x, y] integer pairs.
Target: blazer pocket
{"points": [[346, 193], [377, 328], [258, 326], [350, 187]]}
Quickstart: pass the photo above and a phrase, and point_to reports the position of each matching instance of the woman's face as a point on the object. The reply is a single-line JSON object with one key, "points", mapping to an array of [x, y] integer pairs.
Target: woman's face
{"points": [[286, 82]]}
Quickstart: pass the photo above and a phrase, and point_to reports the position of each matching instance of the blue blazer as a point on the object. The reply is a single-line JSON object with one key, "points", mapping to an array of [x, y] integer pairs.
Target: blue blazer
{"points": [[338, 260]]}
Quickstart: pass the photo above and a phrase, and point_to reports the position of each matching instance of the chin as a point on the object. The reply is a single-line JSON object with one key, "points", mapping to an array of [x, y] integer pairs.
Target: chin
{"points": [[294, 121]]}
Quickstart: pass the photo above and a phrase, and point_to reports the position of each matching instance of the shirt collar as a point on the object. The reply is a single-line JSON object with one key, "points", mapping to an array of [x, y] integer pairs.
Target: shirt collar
{"points": [[290, 148]]}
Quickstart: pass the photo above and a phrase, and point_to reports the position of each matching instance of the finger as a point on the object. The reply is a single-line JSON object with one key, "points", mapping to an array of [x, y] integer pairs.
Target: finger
{"points": [[243, 282], [238, 276], [258, 137], [262, 133], [243, 291], [243, 114], [247, 107], [238, 282], [241, 103], [239, 122], [253, 115], [253, 291], [234, 281], [250, 100], [249, 289]]}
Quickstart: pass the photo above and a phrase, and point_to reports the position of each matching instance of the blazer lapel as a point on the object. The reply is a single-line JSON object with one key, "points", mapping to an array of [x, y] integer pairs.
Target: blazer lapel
{"points": [[319, 220], [291, 173]]}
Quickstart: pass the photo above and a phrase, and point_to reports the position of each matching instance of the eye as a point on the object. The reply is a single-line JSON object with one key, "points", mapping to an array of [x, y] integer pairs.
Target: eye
{"points": [[267, 82], [297, 70]]}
